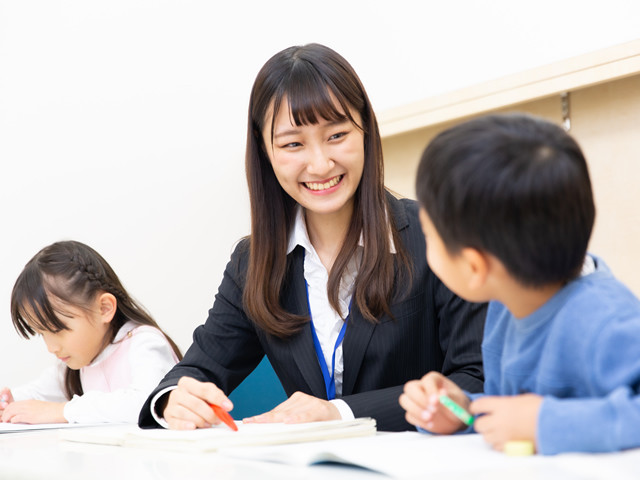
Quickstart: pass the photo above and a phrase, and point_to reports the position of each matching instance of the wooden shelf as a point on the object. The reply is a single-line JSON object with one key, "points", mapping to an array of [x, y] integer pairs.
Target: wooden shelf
{"points": [[567, 75]]}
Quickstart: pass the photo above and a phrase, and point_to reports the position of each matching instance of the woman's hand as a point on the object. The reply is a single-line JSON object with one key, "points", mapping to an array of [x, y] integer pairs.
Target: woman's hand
{"points": [[504, 419], [299, 408], [34, 411], [421, 401], [189, 405]]}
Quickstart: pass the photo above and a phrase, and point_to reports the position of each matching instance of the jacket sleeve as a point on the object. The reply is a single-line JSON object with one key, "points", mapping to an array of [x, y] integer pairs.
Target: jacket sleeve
{"points": [[382, 405], [461, 331], [461, 327], [213, 355]]}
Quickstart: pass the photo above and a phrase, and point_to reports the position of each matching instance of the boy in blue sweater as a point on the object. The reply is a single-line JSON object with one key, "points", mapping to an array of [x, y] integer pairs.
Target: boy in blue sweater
{"points": [[507, 211]]}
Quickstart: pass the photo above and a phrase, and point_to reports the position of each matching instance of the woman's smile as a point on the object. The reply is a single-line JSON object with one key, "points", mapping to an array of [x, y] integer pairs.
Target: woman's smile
{"points": [[325, 186]]}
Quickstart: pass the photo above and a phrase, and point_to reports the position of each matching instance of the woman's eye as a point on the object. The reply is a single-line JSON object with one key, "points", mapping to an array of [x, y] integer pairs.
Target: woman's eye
{"points": [[335, 136], [291, 145]]}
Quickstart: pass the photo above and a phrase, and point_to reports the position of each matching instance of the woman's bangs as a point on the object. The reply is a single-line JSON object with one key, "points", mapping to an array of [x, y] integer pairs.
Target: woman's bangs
{"points": [[312, 99]]}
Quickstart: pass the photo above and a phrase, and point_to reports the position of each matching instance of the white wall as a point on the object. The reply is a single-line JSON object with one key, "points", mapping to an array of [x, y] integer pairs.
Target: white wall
{"points": [[122, 122]]}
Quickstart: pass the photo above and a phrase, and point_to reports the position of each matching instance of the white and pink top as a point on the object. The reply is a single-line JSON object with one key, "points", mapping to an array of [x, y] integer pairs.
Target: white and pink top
{"points": [[117, 382]]}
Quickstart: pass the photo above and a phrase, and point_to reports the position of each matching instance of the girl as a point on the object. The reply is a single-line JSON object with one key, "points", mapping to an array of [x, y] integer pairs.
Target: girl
{"points": [[111, 352], [332, 285]]}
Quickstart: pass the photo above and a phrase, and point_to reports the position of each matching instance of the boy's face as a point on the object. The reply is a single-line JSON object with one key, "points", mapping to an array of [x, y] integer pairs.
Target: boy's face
{"points": [[453, 270]]}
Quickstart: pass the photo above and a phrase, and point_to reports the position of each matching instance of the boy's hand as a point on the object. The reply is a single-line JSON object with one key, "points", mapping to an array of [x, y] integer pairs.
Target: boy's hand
{"points": [[34, 411], [504, 419], [189, 407], [421, 401]]}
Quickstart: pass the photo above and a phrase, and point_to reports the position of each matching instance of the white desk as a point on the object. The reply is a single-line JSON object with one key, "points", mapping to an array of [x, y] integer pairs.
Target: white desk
{"points": [[41, 455]]}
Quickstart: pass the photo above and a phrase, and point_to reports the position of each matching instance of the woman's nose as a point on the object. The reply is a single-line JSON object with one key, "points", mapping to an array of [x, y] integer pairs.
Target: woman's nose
{"points": [[319, 162]]}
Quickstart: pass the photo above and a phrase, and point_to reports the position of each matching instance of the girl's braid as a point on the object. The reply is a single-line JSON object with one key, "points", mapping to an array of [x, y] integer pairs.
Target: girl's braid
{"points": [[94, 273]]}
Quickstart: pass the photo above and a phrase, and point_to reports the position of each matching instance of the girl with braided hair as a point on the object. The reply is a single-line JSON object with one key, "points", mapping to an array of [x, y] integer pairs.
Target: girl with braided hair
{"points": [[111, 352]]}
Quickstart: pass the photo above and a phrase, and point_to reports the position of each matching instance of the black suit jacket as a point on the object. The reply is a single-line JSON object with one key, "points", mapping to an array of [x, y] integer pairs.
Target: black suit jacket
{"points": [[431, 329]]}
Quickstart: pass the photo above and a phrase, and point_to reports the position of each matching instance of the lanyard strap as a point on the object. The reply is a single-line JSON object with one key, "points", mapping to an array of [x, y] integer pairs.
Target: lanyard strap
{"points": [[329, 379]]}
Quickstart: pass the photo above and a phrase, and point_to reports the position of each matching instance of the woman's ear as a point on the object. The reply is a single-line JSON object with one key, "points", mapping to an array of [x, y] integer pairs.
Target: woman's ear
{"points": [[108, 304], [478, 265]]}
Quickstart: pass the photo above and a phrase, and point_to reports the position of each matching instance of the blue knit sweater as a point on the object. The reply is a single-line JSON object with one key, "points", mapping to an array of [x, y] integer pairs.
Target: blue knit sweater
{"points": [[581, 351]]}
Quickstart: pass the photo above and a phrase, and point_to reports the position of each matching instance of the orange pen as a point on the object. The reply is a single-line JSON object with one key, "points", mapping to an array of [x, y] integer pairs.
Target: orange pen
{"points": [[224, 416]]}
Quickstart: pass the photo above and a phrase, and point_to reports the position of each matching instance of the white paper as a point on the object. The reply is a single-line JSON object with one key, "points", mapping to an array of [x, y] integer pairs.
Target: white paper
{"points": [[24, 427], [219, 436]]}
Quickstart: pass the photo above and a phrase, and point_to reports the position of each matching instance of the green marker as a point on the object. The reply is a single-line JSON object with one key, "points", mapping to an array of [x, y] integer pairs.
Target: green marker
{"points": [[464, 416]]}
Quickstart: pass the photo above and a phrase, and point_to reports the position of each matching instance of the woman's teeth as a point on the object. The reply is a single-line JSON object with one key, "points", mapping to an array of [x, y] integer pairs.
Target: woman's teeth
{"points": [[323, 186]]}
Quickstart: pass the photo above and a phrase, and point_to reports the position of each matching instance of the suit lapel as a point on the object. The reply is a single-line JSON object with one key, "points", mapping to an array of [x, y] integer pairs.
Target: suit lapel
{"points": [[354, 346], [301, 345], [358, 333]]}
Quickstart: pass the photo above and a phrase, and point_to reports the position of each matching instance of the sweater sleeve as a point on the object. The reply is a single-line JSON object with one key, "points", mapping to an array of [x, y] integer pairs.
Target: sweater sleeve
{"points": [[605, 424], [150, 357], [607, 420], [48, 387]]}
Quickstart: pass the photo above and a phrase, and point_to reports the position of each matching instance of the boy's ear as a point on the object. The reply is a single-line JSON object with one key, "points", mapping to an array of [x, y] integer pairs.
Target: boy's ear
{"points": [[108, 305], [478, 267]]}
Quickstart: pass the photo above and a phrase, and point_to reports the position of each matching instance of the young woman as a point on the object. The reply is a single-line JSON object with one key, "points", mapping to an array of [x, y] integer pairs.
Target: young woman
{"points": [[111, 352], [332, 285]]}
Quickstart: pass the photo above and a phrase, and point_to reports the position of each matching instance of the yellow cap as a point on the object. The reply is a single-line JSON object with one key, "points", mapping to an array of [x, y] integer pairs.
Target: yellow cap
{"points": [[518, 448]]}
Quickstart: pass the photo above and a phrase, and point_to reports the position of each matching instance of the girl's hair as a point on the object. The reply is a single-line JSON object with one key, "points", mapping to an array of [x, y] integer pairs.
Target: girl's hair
{"points": [[75, 274], [318, 84]]}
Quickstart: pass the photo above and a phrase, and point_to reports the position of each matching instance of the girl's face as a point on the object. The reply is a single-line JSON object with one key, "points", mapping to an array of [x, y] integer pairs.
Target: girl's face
{"points": [[319, 165], [87, 334]]}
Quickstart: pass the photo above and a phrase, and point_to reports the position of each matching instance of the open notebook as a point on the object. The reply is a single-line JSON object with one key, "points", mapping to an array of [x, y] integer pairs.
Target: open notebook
{"points": [[219, 436], [406, 454]]}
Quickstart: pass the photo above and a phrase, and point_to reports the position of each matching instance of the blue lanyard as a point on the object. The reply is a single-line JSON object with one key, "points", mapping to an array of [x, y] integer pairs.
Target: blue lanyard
{"points": [[329, 379]]}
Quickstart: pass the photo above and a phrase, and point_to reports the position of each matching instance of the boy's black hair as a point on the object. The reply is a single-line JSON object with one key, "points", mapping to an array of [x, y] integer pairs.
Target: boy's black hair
{"points": [[512, 185]]}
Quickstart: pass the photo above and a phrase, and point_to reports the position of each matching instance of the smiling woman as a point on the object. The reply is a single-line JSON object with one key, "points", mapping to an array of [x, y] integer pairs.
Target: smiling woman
{"points": [[320, 166], [332, 285]]}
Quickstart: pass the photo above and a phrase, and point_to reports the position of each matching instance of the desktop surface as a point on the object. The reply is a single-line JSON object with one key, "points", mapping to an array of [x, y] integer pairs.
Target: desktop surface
{"points": [[43, 455]]}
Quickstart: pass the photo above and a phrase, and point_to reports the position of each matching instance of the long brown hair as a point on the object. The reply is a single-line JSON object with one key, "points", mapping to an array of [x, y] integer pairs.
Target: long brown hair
{"points": [[74, 273], [313, 78]]}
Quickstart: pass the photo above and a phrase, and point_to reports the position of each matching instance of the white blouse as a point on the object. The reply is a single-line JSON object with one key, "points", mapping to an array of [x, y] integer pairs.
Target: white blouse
{"points": [[148, 358]]}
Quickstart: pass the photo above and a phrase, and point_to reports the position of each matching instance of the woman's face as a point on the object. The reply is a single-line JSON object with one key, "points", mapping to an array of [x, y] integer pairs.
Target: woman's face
{"points": [[319, 165]]}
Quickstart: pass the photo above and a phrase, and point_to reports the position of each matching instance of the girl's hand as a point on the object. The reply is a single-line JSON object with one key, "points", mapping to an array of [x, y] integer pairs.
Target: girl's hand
{"points": [[34, 411], [507, 418], [5, 398], [421, 401], [189, 407], [299, 408]]}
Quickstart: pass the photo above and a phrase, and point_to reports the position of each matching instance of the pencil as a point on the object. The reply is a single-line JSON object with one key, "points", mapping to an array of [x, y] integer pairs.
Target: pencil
{"points": [[464, 416], [224, 416]]}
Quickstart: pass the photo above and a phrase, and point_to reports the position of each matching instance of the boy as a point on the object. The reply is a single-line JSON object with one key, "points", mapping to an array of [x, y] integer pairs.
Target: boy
{"points": [[507, 211]]}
